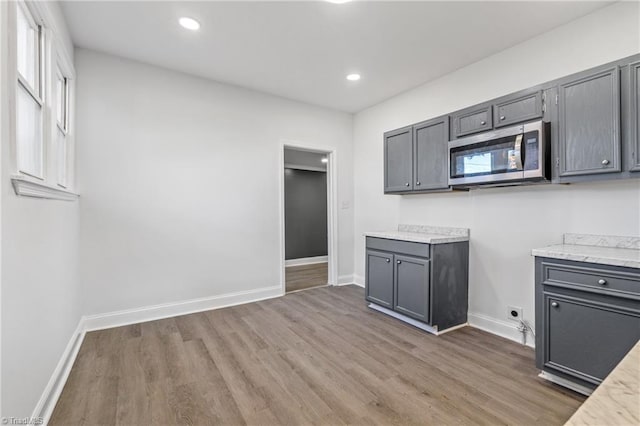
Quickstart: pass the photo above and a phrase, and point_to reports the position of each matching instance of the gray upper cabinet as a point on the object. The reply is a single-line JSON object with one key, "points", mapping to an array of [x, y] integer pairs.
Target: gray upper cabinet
{"points": [[522, 108], [589, 123], [472, 121], [634, 117], [398, 160], [412, 287], [430, 154], [379, 285]]}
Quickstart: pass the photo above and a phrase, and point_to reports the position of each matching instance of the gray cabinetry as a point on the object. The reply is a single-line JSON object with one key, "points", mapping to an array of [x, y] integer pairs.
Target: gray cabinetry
{"points": [[589, 123], [634, 116], [587, 318], [379, 285], [519, 109], [472, 121], [398, 160], [411, 295], [430, 154], [424, 282]]}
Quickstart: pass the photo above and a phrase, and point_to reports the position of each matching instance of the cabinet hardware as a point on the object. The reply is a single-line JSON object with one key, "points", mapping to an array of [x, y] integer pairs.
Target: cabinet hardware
{"points": [[483, 123], [398, 261], [605, 162], [554, 304], [556, 99], [418, 183], [388, 260], [406, 184], [502, 117], [602, 282]]}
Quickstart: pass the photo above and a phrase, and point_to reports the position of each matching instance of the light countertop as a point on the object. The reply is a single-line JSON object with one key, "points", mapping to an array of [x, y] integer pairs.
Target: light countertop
{"points": [[423, 234], [617, 400], [605, 250]]}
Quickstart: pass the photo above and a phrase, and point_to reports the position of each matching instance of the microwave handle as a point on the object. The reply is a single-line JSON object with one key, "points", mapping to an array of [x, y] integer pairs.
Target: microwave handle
{"points": [[518, 149]]}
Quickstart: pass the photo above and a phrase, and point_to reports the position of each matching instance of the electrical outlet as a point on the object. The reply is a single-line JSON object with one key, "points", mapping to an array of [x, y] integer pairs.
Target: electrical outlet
{"points": [[514, 313]]}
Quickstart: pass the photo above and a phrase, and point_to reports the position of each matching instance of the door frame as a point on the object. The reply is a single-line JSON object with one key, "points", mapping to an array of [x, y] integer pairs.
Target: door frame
{"points": [[332, 206]]}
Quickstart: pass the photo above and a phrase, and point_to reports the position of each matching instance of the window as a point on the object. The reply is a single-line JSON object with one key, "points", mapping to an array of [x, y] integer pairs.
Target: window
{"points": [[62, 120], [29, 134]]}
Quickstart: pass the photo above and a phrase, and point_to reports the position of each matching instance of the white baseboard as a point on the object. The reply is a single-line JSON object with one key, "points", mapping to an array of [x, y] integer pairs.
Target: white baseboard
{"points": [[358, 280], [167, 310], [506, 329], [306, 261], [345, 279], [49, 398]]}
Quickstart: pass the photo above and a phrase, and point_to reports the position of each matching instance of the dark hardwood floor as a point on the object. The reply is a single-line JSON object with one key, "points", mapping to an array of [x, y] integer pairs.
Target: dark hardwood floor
{"points": [[306, 276], [313, 357]]}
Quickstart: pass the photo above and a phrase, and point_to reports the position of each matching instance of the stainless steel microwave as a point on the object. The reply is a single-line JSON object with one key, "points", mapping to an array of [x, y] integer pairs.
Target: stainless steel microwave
{"points": [[508, 156]]}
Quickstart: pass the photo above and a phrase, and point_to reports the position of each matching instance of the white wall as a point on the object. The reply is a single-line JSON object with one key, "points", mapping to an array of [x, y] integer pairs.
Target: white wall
{"points": [[40, 305], [505, 223], [179, 179]]}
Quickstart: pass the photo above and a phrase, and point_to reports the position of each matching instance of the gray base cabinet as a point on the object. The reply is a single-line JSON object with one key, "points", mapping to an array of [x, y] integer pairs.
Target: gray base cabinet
{"points": [[587, 318], [426, 282]]}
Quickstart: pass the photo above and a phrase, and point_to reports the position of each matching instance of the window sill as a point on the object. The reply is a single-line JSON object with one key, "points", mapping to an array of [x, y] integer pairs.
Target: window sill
{"points": [[26, 187]]}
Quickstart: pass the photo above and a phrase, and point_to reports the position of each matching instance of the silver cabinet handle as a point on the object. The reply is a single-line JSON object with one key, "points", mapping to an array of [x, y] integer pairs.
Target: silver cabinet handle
{"points": [[502, 117], [602, 281], [406, 184], [554, 304], [388, 260], [418, 183], [605, 162], [398, 261], [483, 122]]}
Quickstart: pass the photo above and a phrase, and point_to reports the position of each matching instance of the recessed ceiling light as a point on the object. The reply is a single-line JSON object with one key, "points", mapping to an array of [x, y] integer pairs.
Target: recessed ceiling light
{"points": [[325, 160], [189, 23], [338, 1], [353, 77]]}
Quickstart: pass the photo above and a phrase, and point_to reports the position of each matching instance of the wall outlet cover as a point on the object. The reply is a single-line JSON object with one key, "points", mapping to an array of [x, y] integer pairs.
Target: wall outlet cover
{"points": [[514, 313]]}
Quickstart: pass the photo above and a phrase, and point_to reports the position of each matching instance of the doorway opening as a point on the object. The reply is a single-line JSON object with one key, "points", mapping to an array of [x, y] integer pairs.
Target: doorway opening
{"points": [[307, 221]]}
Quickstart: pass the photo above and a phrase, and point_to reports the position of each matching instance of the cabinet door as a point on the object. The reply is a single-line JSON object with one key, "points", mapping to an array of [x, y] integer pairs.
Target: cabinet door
{"points": [[379, 278], [474, 121], [517, 110], [634, 99], [398, 160], [589, 124], [412, 287], [587, 340], [430, 154]]}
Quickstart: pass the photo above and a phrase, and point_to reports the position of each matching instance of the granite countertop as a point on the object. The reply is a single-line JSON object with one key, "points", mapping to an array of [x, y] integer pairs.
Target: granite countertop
{"points": [[423, 234], [602, 249], [616, 400]]}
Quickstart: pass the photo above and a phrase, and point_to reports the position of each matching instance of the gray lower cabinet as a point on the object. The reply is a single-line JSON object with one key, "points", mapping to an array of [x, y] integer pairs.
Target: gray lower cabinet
{"points": [[589, 123], [587, 318], [634, 116], [424, 282], [411, 296], [398, 160], [379, 288]]}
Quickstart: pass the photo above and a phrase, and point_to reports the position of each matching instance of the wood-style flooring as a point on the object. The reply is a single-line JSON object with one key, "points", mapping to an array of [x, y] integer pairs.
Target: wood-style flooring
{"points": [[305, 276], [313, 357]]}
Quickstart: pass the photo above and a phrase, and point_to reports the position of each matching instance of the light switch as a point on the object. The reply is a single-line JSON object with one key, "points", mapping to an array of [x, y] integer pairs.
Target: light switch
{"points": [[345, 205]]}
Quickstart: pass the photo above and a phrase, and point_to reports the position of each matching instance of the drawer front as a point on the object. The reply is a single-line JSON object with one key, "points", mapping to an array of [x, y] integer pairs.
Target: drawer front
{"points": [[594, 279], [473, 121], [398, 246], [518, 110]]}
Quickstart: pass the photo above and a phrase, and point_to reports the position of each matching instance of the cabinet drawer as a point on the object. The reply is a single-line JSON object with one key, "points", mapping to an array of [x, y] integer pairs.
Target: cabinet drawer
{"points": [[473, 121], [517, 110], [591, 278], [398, 246]]}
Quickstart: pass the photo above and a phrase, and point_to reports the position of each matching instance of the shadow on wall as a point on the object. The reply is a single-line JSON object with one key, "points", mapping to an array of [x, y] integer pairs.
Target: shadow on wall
{"points": [[305, 195]]}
